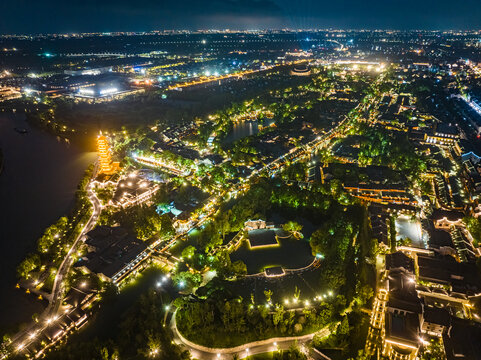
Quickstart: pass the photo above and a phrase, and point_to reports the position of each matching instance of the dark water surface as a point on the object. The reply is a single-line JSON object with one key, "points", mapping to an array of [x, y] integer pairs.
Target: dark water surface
{"points": [[39, 178], [241, 130]]}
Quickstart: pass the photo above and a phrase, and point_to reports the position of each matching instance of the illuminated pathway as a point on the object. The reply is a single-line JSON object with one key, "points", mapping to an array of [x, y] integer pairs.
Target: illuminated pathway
{"points": [[57, 292], [294, 155], [376, 326], [206, 80], [24, 338], [51, 313], [243, 351]]}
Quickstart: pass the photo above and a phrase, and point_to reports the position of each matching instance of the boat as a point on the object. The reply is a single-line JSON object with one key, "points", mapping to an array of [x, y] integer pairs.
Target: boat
{"points": [[21, 130]]}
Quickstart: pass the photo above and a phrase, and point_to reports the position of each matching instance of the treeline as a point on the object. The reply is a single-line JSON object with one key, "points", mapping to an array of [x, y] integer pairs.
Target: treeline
{"points": [[348, 338], [144, 222], [474, 226], [55, 242], [234, 322]]}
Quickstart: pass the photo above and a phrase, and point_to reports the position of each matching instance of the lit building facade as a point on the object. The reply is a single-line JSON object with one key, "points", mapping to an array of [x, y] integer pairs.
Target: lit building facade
{"points": [[106, 166]]}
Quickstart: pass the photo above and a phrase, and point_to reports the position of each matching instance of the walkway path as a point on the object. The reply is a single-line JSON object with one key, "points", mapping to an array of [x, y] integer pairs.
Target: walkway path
{"points": [[258, 347], [23, 338]]}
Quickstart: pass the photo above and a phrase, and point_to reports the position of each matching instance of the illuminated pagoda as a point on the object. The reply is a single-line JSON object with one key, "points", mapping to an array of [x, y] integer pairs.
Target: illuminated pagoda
{"points": [[106, 165]]}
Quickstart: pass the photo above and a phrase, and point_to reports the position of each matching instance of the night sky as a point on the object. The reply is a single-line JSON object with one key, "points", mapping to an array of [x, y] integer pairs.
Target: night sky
{"points": [[50, 16]]}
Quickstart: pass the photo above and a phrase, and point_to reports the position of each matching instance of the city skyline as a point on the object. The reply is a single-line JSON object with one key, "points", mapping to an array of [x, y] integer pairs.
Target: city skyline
{"points": [[28, 17], [240, 179]]}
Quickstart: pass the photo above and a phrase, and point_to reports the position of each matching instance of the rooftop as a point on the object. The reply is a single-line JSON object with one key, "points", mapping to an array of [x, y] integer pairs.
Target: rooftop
{"points": [[463, 340], [399, 260], [262, 238], [112, 249]]}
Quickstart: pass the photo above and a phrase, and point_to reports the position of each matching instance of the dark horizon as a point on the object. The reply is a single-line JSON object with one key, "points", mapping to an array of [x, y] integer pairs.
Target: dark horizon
{"points": [[56, 16]]}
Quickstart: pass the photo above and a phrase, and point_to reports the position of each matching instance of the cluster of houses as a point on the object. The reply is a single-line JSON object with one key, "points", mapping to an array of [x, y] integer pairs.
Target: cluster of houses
{"points": [[429, 292]]}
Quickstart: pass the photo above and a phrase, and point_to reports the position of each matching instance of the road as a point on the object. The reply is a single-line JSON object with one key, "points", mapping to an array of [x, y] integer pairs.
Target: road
{"points": [[272, 168], [209, 79], [52, 312], [295, 154], [57, 289], [244, 351]]}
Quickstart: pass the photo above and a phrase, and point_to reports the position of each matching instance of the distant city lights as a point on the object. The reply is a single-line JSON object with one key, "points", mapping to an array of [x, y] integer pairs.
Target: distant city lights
{"points": [[86, 91], [109, 91]]}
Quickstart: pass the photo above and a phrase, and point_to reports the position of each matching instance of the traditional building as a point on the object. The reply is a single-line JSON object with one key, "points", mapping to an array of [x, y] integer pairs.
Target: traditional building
{"points": [[133, 190], [402, 318], [106, 165]]}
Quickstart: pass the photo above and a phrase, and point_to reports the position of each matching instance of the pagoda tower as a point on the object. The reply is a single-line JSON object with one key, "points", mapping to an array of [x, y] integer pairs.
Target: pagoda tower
{"points": [[106, 166]]}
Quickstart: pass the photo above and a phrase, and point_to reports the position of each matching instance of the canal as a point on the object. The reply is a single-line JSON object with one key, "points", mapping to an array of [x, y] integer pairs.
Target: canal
{"points": [[37, 186]]}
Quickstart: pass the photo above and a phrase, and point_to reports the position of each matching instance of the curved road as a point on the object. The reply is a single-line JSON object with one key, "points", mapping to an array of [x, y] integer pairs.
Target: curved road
{"points": [[24, 338], [246, 350], [57, 289]]}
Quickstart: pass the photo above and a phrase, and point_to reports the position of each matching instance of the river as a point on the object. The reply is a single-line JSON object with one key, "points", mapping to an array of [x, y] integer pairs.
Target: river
{"points": [[37, 185]]}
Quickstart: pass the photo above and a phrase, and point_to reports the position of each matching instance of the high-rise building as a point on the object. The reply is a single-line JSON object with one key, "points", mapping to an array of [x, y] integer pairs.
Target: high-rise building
{"points": [[106, 166]]}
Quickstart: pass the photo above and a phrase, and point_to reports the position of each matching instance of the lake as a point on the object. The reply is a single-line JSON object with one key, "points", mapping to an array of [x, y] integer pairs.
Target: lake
{"points": [[241, 130], [37, 186]]}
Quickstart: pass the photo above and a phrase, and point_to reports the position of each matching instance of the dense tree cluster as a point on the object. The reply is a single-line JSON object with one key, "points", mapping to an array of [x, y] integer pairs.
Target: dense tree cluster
{"points": [[294, 228], [56, 239], [380, 147], [474, 226], [347, 336], [333, 239], [296, 172], [145, 222], [243, 151], [240, 321], [434, 351]]}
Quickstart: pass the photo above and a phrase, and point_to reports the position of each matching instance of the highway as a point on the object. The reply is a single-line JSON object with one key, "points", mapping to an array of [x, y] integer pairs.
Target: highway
{"points": [[209, 79]]}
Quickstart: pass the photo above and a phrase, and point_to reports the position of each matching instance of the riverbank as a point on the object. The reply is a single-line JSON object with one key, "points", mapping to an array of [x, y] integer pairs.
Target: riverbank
{"points": [[40, 176]]}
